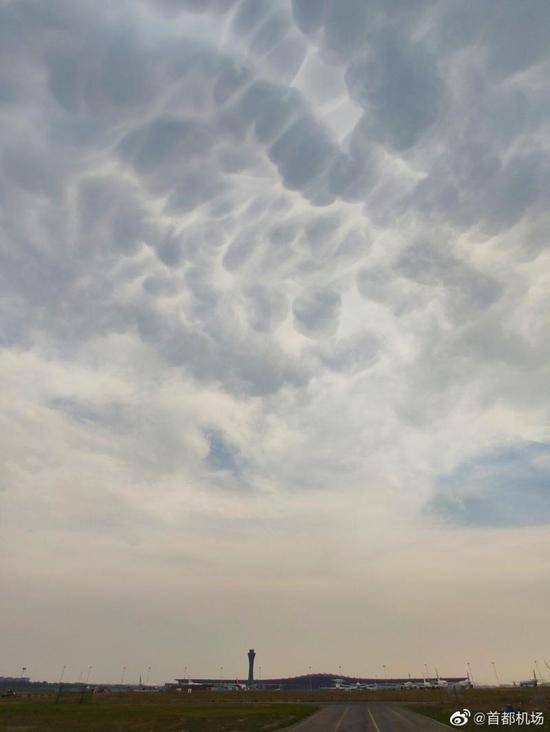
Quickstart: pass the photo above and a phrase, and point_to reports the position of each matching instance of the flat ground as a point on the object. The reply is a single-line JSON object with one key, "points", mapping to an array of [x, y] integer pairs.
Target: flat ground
{"points": [[145, 713], [421, 710]]}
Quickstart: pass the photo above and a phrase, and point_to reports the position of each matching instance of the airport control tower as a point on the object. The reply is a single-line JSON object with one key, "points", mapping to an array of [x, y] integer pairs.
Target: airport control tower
{"points": [[251, 657]]}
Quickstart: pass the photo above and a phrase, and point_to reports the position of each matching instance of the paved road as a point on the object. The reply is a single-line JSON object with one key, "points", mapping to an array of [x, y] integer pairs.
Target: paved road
{"points": [[373, 717]]}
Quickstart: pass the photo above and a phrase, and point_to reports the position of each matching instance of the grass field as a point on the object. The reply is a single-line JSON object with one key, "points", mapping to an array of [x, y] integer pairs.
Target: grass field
{"points": [[485, 700], [145, 713]]}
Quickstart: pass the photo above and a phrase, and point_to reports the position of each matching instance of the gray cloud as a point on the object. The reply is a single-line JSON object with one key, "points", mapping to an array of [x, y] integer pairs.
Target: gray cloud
{"points": [[431, 264], [399, 87], [166, 140], [352, 354], [266, 308], [317, 312], [302, 153]]}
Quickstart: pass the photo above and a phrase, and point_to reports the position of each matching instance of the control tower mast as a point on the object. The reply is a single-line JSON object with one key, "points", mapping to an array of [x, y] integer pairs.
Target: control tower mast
{"points": [[251, 657]]}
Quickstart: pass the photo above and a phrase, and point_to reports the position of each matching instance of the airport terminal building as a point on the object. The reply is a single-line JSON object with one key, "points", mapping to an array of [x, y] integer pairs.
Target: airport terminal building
{"points": [[322, 682], [318, 682]]}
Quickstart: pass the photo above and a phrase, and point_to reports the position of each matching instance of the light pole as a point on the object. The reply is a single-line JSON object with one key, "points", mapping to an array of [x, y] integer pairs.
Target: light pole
{"points": [[122, 675], [85, 686], [385, 673], [60, 684], [310, 679], [148, 675]]}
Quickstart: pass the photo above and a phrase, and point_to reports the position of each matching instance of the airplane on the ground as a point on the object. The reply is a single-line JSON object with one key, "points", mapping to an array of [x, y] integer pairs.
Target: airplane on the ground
{"points": [[232, 686], [358, 686], [340, 685]]}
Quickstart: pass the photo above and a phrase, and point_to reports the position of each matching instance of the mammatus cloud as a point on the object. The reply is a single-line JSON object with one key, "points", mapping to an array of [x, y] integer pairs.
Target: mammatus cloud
{"points": [[273, 270]]}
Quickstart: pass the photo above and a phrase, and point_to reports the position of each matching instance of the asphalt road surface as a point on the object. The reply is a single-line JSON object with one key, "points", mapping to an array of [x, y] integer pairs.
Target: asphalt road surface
{"points": [[373, 717]]}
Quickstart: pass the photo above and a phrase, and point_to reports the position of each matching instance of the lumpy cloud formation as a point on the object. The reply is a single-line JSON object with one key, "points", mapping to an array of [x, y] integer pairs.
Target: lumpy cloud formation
{"points": [[297, 243]]}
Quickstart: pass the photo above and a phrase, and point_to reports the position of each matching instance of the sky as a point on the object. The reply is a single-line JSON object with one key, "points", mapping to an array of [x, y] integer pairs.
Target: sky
{"points": [[274, 354]]}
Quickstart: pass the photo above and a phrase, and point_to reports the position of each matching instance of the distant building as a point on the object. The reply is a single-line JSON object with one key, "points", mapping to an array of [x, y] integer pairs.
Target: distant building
{"points": [[317, 682], [15, 679]]}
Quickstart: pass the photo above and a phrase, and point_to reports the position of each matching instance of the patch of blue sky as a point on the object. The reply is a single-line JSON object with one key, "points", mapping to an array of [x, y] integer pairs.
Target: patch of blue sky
{"points": [[508, 487], [222, 455]]}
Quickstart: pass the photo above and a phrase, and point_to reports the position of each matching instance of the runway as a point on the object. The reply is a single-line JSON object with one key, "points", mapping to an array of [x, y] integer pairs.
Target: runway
{"points": [[373, 717]]}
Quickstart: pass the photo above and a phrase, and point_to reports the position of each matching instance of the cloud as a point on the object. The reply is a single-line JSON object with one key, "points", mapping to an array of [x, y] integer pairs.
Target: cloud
{"points": [[165, 140], [399, 87], [433, 265], [317, 312], [274, 269], [350, 355], [302, 153]]}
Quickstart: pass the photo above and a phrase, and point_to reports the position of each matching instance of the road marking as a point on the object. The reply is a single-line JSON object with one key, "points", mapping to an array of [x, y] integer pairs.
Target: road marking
{"points": [[373, 720], [339, 722]]}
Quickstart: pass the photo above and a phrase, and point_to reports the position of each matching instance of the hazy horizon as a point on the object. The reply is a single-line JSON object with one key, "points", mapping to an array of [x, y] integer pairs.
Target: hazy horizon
{"points": [[275, 304]]}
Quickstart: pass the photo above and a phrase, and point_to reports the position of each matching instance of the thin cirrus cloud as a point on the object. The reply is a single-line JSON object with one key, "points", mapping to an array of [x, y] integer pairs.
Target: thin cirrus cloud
{"points": [[273, 269]]}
